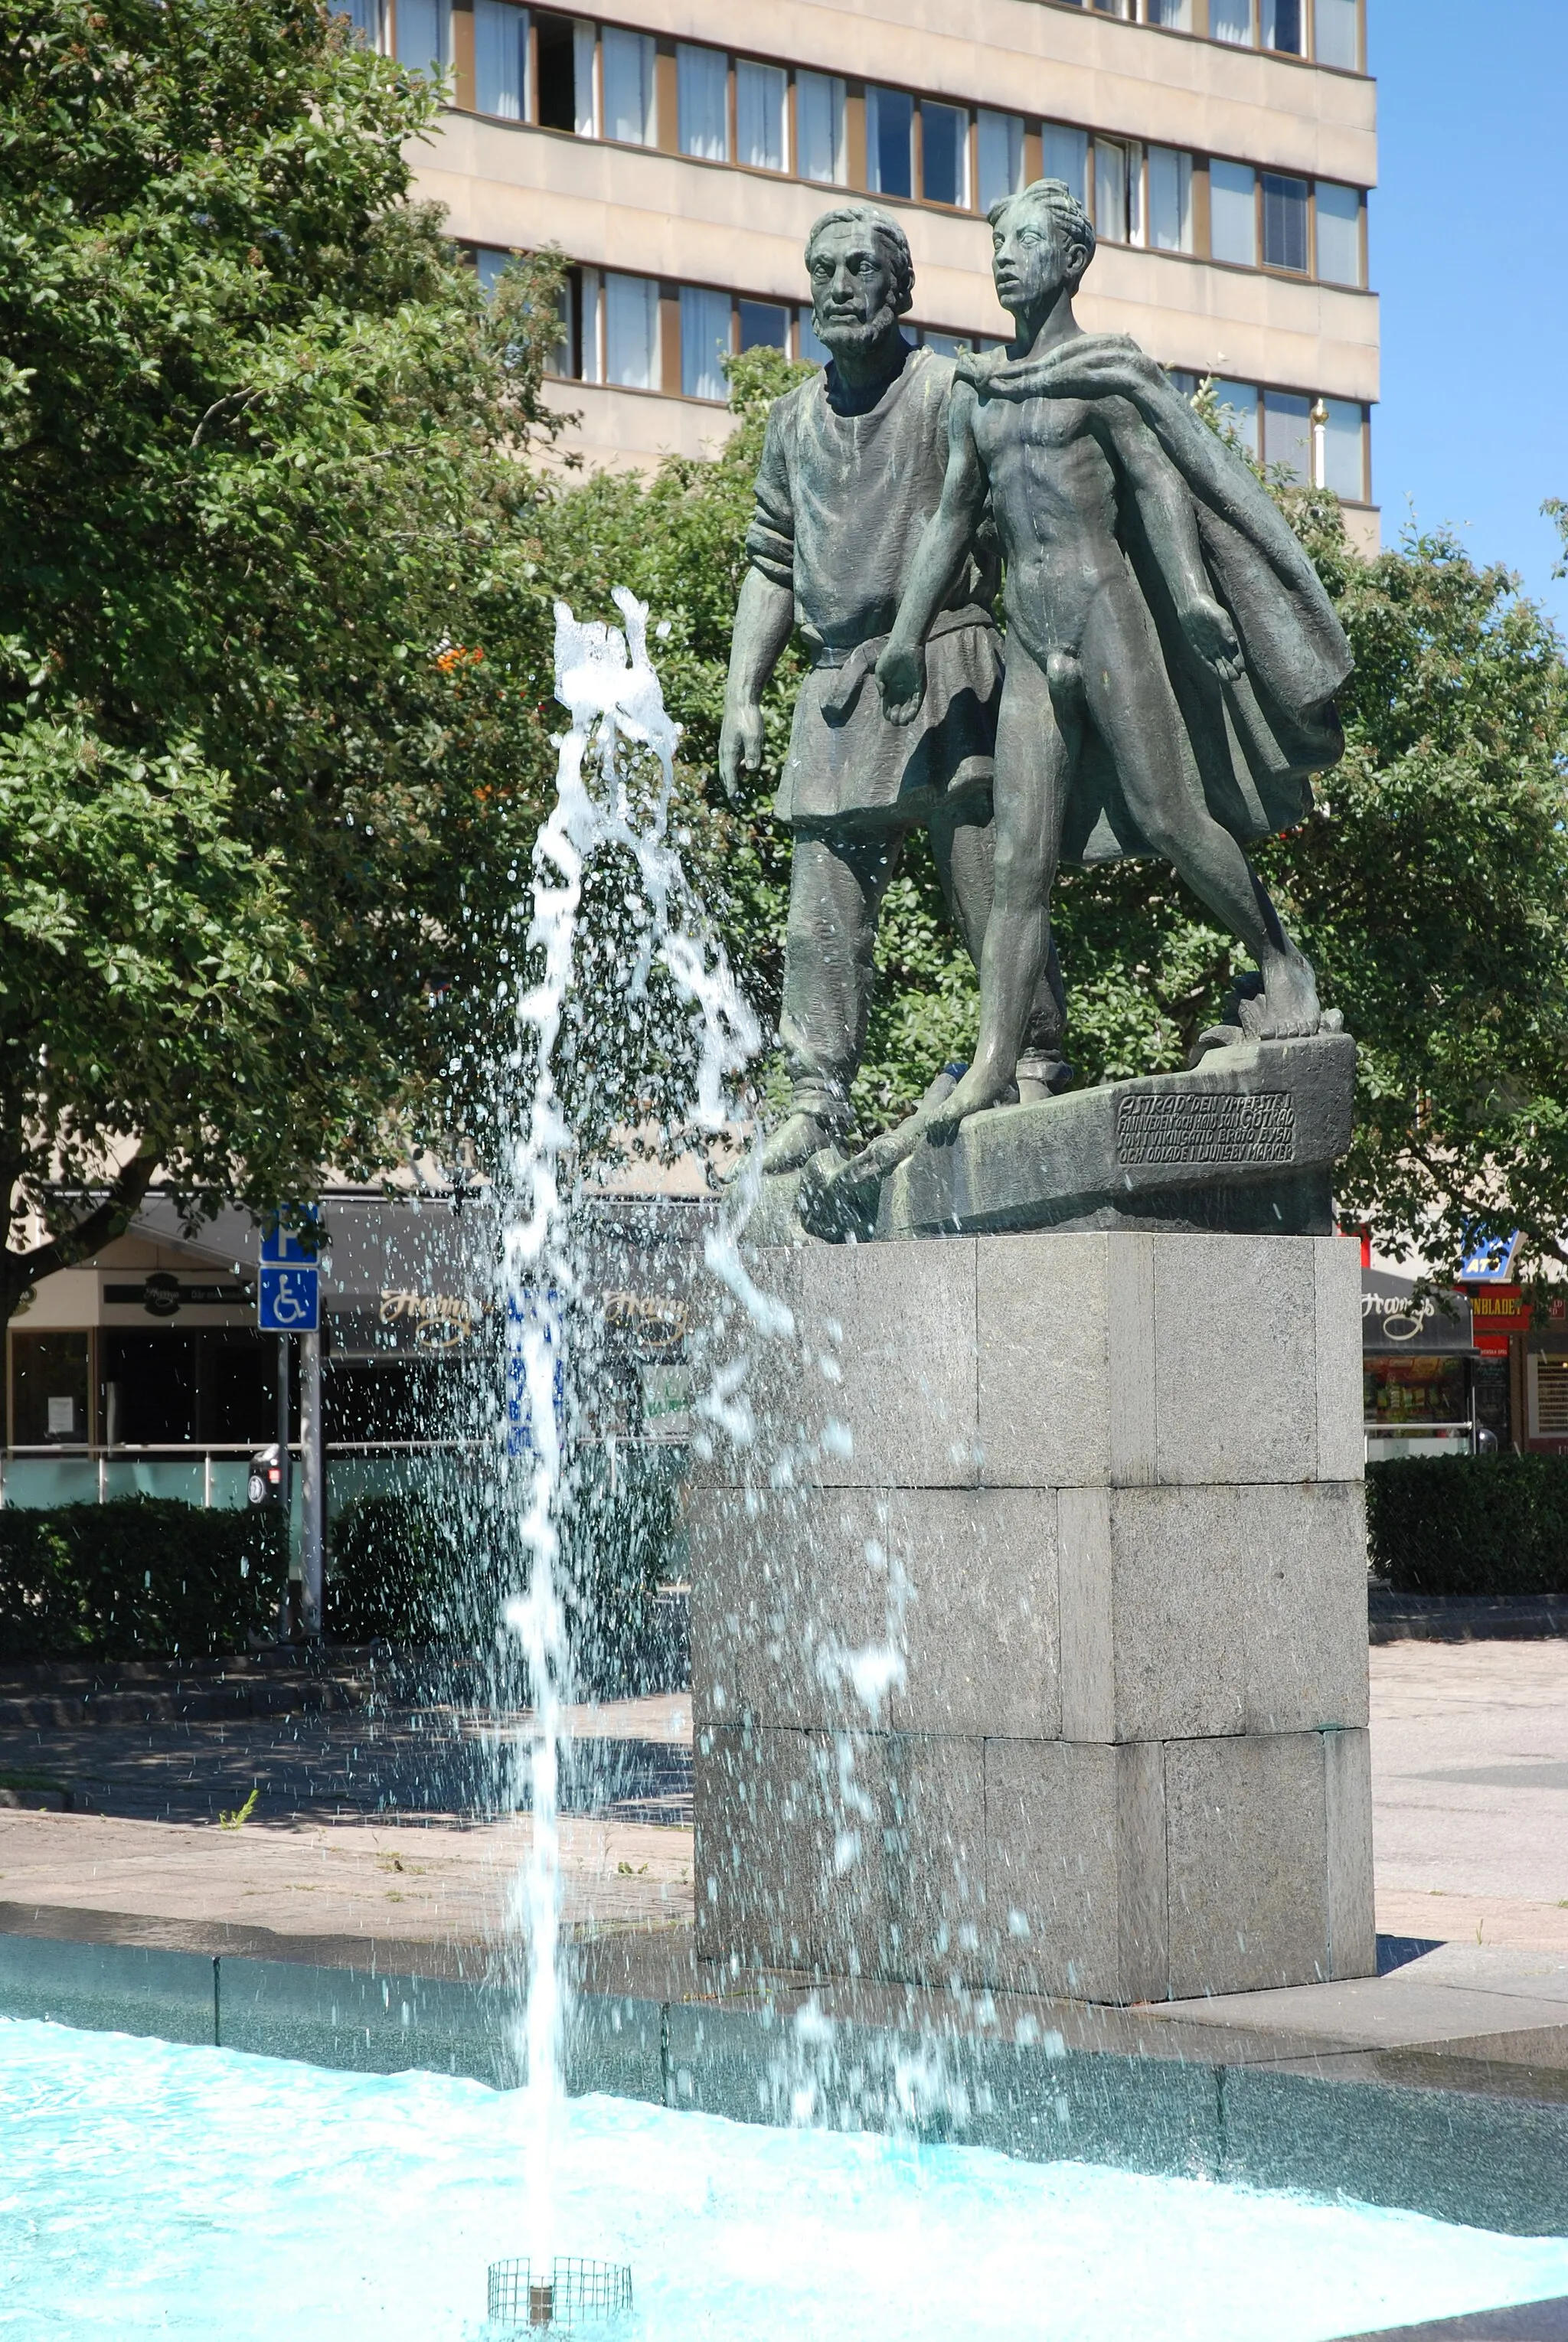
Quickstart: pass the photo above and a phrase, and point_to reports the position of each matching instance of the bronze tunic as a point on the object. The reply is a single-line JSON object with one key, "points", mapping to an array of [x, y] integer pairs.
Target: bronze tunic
{"points": [[842, 501]]}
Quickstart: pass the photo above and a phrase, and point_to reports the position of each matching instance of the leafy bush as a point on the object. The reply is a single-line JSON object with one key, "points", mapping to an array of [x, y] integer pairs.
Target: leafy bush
{"points": [[144, 1577], [1470, 1525], [436, 1567]]}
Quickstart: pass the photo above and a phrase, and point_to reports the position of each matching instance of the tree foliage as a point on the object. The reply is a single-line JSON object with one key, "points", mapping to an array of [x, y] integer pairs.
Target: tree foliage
{"points": [[258, 486]]}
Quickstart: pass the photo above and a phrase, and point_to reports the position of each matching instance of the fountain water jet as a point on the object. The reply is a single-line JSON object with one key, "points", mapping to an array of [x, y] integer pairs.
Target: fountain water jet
{"points": [[608, 686]]}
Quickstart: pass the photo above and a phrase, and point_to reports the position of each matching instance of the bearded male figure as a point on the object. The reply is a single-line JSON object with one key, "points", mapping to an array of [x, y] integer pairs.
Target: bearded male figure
{"points": [[1172, 656], [851, 470]]}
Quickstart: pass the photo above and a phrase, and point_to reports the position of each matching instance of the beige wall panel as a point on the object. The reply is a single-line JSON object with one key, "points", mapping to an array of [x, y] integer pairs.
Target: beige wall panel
{"points": [[1078, 66], [633, 430]]}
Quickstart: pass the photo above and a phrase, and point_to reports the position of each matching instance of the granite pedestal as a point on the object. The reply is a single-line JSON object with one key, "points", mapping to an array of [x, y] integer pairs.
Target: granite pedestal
{"points": [[1029, 1634]]}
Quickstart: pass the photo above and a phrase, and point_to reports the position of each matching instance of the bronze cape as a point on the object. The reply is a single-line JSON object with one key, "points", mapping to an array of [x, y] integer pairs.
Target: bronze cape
{"points": [[1255, 743]]}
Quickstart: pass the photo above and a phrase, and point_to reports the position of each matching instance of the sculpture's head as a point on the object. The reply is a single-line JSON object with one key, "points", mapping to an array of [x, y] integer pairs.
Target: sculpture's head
{"points": [[1041, 242], [861, 276]]}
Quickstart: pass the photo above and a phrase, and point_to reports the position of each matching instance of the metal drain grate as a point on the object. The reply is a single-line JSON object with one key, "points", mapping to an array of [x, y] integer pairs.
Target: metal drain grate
{"points": [[576, 2295]]}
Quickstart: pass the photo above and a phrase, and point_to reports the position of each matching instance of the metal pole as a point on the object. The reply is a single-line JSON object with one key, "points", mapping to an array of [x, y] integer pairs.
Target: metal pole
{"points": [[283, 1422], [311, 1486]]}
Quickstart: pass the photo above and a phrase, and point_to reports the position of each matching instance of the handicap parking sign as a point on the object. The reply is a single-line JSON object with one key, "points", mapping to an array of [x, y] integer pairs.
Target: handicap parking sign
{"points": [[288, 1300]]}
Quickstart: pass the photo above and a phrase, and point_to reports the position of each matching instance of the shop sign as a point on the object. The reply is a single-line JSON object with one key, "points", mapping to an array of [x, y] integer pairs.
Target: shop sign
{"points": [[1502, 1309], [441, 1321], [162, 1295], [1393, 1319]]}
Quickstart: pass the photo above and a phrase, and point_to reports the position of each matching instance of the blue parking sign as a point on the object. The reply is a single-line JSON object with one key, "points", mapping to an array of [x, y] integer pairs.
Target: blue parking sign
{"points": [[288, 1300]]}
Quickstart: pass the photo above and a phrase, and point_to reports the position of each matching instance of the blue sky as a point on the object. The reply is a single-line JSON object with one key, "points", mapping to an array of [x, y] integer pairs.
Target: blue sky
{"points": [[1469, 227]]}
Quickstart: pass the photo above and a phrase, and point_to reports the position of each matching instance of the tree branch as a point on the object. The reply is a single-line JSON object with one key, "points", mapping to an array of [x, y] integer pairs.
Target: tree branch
{"points": [[20, 1271]]}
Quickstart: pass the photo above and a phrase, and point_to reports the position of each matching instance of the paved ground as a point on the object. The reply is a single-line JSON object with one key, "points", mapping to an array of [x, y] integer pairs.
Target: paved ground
{"points": [[386, 1829], [1470, 1773]]}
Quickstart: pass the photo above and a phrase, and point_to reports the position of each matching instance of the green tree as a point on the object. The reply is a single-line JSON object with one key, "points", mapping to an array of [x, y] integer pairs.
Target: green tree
{"points": [[259, 497]]}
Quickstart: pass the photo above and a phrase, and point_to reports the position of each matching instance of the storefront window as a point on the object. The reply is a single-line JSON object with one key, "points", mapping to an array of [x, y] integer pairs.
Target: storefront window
{"points": [[49, 1403], [1414, 1391]]}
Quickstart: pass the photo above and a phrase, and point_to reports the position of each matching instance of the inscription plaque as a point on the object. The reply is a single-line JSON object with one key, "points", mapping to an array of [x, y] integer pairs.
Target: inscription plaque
{"points": [[1207, 1126]]}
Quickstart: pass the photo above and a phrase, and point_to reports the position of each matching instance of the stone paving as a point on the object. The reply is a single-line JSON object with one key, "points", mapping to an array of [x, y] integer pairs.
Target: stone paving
{"points": [[383, 1829]]}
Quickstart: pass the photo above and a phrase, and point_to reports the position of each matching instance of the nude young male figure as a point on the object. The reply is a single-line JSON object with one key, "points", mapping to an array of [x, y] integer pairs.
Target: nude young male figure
{"points": [[1104, 658]]}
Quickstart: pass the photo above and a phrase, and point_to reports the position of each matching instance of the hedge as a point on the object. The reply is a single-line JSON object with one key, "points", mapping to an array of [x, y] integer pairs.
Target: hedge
{"points": [[1470, 1524], [148, 1577], [141, 1577], [435, 1567]]}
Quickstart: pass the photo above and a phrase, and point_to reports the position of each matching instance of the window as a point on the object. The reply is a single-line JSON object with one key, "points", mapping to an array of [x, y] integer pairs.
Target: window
{"points": [[1231, 20], [943, 154], [1238, 405], [368, 18], [1550, 1395], [704, 341], [632, 331], [761, 96], [1287, 431], [702, 105], [765, 325], [889, 141], [1338, 234], [424, 34], [1066, 155], [1336, 33], [814, 351], [819, 129], [489, 261], [1344, 450], [628, 71], [1111, 211], [49, 1389], [999, 142], [1181, 381], [1176, 16], [500, 58], [1232, 213], [564, 55], [947, 345], [1170, 200], [1284, 223], [1281, 26]]}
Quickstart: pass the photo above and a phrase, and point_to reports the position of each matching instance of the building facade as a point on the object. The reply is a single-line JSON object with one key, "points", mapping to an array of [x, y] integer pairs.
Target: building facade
{"points": [[678, 150]]}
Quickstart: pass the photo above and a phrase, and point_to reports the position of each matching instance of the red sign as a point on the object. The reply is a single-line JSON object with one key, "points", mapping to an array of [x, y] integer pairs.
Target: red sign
{"points": [[1491, 1345], [1500, 1309]]}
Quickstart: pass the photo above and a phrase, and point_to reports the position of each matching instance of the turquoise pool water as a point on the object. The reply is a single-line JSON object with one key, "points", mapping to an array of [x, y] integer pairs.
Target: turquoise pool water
{"points": [[150, 2189]]}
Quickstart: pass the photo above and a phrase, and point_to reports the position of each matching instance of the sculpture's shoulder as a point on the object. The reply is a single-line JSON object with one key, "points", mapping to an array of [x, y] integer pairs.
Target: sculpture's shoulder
{"points": [[788, 413]]}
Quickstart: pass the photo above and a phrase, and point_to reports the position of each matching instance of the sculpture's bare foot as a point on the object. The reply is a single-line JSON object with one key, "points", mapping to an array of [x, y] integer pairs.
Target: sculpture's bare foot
{"points": [[979, 1089], [797, 1139], [1288, 1009]]}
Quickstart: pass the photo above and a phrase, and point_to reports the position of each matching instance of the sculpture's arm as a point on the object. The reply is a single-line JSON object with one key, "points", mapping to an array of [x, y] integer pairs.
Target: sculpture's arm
{"points": [[946, 539], [1165, 505], [764, 617]]}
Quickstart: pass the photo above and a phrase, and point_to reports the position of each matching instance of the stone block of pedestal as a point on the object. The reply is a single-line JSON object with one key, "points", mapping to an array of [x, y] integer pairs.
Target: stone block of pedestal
{"points": [[1029, 1636]]}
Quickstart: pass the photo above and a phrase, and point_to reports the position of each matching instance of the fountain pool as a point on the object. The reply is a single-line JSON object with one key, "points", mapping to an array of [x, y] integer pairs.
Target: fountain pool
{"points": [[148, 2188]]}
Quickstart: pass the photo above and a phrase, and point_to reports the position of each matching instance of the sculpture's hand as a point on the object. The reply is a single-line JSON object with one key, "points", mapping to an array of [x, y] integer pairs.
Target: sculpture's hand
{"points": [[900, 680], [1212, 637], [740, 743]]}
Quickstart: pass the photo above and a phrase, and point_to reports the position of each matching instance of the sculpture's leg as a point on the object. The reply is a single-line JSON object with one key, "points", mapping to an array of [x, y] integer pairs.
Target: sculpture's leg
{"points": [[1130, 704], [837, 881], [964, 844], [1037, 742]]}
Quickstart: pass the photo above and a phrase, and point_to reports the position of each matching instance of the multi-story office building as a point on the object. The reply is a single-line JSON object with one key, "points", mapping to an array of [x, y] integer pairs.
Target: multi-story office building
{"points": [[678, 150]]}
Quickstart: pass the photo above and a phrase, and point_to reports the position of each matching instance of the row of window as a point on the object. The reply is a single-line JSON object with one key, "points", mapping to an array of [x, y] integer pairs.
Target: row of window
{"points": [[1328, 31], [602, 82], [636, 334]]}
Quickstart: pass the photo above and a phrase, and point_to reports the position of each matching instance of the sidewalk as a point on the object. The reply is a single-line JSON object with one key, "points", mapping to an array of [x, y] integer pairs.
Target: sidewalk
{"points": [[368, 1831]]}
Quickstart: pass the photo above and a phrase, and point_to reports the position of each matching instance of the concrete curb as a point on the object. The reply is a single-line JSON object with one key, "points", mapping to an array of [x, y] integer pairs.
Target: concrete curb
{"points": [[1484, 2159]]}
